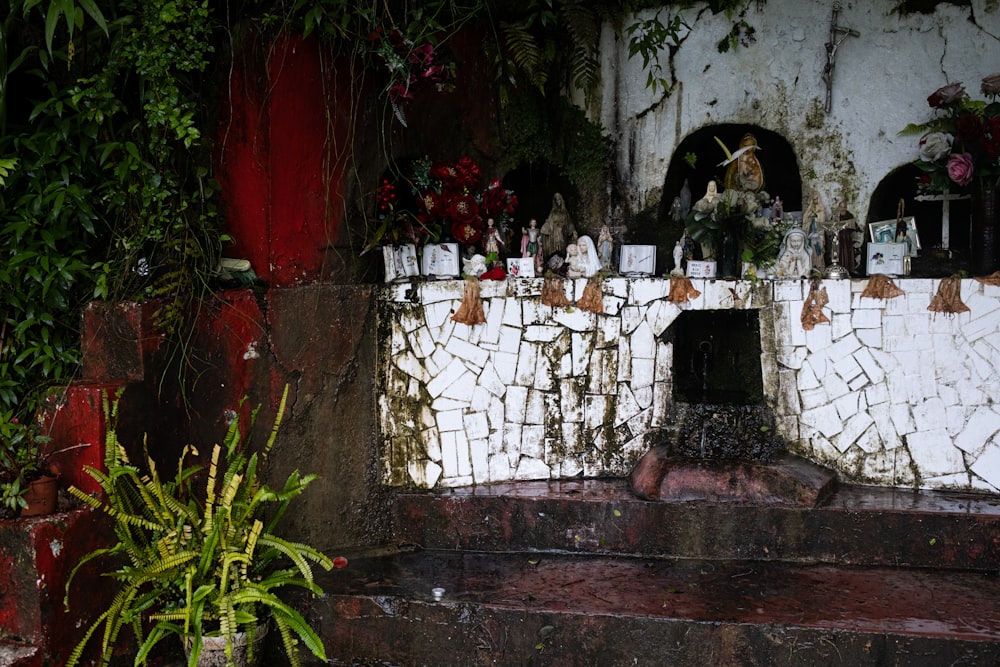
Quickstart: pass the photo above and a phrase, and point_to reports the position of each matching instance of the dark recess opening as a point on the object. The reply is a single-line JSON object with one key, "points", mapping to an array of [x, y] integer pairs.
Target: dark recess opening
{"points": [[717, 357]]}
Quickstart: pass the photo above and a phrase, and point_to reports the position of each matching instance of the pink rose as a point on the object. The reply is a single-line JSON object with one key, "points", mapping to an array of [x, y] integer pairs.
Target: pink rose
{"points": [[946, 95], [960, 168]]}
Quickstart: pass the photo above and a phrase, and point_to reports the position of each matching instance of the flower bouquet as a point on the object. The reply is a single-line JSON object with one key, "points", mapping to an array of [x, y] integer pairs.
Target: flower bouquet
{"points": [[960, 148]]}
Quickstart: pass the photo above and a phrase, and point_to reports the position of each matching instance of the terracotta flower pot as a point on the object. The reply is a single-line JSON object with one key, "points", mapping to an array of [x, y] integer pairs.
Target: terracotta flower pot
{"points": [[42, 496]]}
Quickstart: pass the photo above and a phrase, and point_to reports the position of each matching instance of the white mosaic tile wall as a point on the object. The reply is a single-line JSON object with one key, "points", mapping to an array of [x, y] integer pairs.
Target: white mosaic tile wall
{"points": [[887, 393]]}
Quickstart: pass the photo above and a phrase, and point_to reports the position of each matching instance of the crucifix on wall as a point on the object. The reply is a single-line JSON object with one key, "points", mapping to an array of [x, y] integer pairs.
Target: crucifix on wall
{"points": [[945, 198], [838, 34]]}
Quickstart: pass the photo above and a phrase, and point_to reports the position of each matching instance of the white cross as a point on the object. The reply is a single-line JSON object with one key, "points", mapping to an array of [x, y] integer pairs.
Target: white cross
{"points": [[945, 198]]}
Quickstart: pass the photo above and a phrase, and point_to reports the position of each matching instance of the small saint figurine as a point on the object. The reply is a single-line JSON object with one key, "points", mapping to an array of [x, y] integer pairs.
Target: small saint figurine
{"points": [[605, 246], [530, 245], [678, 269], [492, 240], [777, 209], [675, 210]]}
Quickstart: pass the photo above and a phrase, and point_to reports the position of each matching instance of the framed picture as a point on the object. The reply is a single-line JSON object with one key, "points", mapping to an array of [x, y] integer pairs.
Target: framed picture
{"points": [[887, 258], [884, 231], [521, 267], [440, 259], [400, 262], [638, 260]]}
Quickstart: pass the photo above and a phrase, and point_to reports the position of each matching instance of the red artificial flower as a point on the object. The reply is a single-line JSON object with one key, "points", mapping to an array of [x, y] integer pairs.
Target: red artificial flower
{"points": [[511, 204], [968, 127], [463, 208], [422, 55], [467, 232], [433, 72], [496, 273], [447, 173], [430, 206], [469, 171]]}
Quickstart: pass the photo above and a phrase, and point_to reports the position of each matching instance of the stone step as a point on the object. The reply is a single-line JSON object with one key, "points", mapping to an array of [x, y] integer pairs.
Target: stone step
{"points": [[568, 609], [854, 525]]}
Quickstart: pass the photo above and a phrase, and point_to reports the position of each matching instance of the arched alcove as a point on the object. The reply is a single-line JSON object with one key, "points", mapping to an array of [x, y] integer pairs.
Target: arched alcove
{"points": [[535, 183], [933, 261], [778, 161]]}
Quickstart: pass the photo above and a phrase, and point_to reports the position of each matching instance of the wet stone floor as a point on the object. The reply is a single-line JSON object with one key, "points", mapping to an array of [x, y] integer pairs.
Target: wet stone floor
{"points": [[962, 605]]}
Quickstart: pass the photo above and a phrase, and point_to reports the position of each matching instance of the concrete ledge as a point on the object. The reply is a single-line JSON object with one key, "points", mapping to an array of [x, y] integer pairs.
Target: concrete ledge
{"points": [[787, 481]]}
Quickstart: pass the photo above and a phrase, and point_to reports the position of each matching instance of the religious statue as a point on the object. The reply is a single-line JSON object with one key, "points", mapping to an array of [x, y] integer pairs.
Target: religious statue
{"points": [[794, 260], [588, 256], [492, 240], [704, 208], [574, 265], [675, 210], [557, 231], [777, 209], [474, 265], [707, 204], [685, 199], [530, 244], [744, 171], [814, 217], [678, 269], [849, 250], [605, 246], [815, 208]]}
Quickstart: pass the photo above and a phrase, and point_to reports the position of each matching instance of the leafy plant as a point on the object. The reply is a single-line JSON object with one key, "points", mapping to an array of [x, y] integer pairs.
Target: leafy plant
{"points": [[22, 460], [200, 562]]}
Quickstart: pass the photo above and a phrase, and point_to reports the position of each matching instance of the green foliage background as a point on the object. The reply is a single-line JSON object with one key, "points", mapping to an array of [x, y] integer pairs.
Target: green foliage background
{"points": [[106, 184]]}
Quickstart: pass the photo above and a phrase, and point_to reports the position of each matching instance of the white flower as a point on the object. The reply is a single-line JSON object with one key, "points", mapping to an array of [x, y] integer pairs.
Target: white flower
{"points": [[935, 146]]}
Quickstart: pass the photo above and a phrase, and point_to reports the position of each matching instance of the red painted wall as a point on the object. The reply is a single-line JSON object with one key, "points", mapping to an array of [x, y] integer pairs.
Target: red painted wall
{"points": [[282, 150]]}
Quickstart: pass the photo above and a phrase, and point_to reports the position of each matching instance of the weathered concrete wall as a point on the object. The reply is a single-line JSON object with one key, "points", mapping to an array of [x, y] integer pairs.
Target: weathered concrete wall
{"points": [[881, 82], [319, 340], [887, 392]]}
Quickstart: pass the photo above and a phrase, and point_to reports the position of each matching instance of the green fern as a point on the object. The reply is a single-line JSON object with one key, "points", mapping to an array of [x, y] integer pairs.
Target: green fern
{"points": [[196, 561], [584, 27]]}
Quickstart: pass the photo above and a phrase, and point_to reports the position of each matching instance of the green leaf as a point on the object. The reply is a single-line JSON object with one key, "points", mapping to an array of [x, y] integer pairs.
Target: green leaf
{"points": [[92, 10], [51, 19]]}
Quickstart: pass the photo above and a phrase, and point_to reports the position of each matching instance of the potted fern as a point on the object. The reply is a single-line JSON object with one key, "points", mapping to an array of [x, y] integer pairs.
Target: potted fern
{"points": [[196, 555]]}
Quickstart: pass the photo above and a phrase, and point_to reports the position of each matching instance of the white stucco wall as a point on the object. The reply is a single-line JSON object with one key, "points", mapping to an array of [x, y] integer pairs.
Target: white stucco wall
{"points": [[887, 392], [881, 83]]}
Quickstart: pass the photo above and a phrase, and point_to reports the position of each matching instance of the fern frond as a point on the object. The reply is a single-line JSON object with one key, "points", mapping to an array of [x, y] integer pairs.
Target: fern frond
{"points": [[525, 52], [584, 27]]}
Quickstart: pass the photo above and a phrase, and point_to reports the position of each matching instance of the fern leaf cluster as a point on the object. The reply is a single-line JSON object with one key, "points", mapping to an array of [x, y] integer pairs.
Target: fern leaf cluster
{"points": [[199, 561]]}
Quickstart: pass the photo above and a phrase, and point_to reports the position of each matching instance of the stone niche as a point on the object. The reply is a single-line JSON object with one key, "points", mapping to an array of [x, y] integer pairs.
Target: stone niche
{"points": [[886, 393]]}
